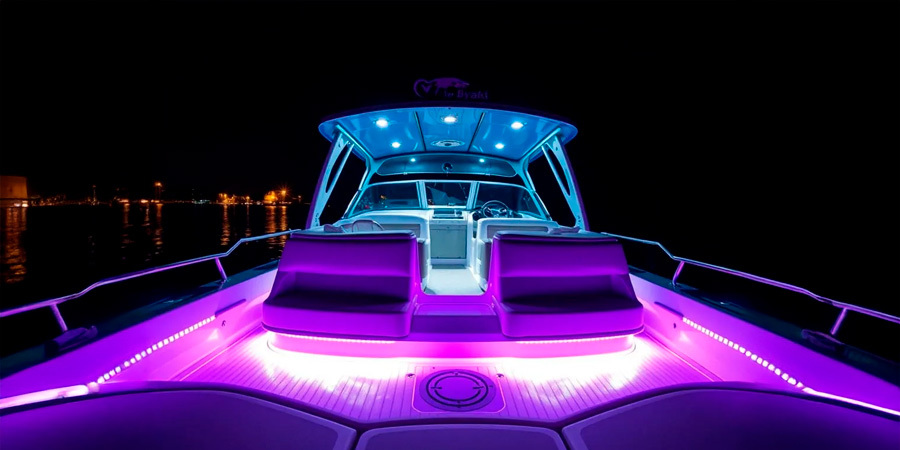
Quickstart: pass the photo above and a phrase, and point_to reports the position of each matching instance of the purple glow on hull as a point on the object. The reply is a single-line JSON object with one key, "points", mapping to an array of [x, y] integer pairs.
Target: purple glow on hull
{"points": [[40, 396], [752, 356], [809, 390], [778, 372], [151, 348]]}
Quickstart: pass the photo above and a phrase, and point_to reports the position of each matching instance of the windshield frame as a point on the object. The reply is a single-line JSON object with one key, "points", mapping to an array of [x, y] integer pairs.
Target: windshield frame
{"points": [[471, 201]]}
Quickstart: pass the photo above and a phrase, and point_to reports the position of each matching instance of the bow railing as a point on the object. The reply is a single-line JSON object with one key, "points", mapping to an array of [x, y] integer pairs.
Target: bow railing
{"points": [[54, 303], [844, 307]]}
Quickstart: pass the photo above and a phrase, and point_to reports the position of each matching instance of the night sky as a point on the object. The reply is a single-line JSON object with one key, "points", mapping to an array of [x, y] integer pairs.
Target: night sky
{"points": [[738, 133]]}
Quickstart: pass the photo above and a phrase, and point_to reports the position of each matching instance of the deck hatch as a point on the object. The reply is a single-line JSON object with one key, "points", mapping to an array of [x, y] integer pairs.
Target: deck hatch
{"points": [[457, 390]]}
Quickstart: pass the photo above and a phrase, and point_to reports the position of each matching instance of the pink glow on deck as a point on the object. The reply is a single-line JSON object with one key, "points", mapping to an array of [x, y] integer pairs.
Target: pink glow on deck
{"points": [[449, 346], [378, 389], [336, 340]]}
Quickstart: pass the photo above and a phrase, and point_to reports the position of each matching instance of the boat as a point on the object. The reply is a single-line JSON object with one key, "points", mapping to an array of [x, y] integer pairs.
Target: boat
{"points": [[445, 309]]}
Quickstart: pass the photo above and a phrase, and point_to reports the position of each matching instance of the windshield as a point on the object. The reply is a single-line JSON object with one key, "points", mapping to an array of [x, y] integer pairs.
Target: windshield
{"points": [[388, 196], [452, 194], [447, 193], [516, 198]]}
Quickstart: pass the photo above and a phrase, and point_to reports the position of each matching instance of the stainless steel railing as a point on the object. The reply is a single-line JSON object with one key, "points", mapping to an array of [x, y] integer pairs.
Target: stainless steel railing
{"points": [[54, 303], [844, 307]]}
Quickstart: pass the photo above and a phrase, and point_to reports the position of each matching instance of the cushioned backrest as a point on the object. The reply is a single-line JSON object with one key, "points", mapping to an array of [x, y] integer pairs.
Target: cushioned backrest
{"points": [[488, 227], [537, 264], [375, 263], [492, 230], [414, 227], [417, 224]]}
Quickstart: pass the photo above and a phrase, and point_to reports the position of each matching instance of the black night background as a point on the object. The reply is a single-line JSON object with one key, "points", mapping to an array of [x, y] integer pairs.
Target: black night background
{"points": [[761, 136]]}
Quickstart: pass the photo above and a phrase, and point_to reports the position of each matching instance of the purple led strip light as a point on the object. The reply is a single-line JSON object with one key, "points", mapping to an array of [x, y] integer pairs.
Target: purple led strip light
{"points": [[566, 341], [783, 375], [378, 341], [753, 356], [155, 347], [331, 339]]}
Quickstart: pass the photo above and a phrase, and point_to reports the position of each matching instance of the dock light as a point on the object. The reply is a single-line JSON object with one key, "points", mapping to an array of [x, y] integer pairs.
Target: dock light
{"points": [[395, 144], [517, 125], [381, 123], [412, 159], [481, 160], [499, 146], [449, 119]]}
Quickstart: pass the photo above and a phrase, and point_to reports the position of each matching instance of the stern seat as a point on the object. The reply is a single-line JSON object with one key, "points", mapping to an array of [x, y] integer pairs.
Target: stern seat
{"points": [[345, 284], [571, 284]]}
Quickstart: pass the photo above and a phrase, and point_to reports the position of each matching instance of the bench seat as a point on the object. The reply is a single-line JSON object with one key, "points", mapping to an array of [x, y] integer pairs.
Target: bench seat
{"points": [[573, 284], [345, 284]]}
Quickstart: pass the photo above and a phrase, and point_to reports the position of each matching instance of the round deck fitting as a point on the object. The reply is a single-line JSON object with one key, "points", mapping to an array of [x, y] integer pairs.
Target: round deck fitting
{"points": [[457, 390]]}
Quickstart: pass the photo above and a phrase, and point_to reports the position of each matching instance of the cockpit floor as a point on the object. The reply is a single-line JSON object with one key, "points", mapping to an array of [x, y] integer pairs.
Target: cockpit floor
{"points": [[452, 280], [384, 389]]}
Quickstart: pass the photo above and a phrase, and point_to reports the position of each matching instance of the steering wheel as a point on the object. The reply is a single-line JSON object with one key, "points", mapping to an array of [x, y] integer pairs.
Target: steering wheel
{"points": [[495, 208]]}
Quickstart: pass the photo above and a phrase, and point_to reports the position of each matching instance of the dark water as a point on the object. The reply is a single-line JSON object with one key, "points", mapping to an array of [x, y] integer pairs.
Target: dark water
{"points": [[50, 251], [59, 250]]}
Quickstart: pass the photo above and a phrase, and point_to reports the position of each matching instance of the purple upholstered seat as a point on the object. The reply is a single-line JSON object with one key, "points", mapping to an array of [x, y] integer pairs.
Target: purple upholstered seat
{"points": [[572, 284], [346, 284]]}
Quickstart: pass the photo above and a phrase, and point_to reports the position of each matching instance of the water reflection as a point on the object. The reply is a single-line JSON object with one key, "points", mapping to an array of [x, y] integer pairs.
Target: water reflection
{"points": [[282, 225], [126, 241], [14, 257], [127, 237], [157, 230], [145, 226], [247, 230], [270, 219], [226, 227], [276, 220]]}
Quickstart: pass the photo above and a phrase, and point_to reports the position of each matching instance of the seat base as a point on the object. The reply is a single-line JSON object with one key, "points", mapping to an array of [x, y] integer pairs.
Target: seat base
{"points": [[463, 329]]}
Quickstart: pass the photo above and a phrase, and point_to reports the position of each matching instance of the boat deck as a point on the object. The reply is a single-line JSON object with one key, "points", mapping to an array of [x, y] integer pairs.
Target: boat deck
{"points": [[370, 390]]}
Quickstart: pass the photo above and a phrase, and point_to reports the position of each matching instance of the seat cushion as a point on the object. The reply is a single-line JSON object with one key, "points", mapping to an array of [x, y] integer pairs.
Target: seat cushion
{"points": [[345, 284], [337, 314], [570, 315], [572, 284]]}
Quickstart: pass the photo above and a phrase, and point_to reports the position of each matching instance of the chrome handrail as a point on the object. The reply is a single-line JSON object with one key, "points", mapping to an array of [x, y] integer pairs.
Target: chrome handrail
{"points": [[749, 276], [54, 303]]}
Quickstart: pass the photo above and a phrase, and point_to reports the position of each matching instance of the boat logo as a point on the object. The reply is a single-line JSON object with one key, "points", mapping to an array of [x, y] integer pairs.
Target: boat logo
{"points": [[446, 143], [447, 88]]}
